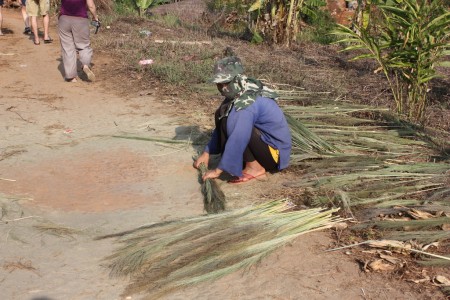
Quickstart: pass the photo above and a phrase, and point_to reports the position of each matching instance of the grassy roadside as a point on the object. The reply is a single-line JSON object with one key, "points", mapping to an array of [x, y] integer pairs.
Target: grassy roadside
{"points": [[183, 56]]}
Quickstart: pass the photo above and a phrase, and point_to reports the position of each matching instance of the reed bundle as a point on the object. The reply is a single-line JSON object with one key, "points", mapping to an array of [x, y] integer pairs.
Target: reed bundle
{"points": [[374, 182], [213, 197], [383, 162], [436, 262], [304, 140], [56, 229], [426, 236], [412, 224], [167, 256]]}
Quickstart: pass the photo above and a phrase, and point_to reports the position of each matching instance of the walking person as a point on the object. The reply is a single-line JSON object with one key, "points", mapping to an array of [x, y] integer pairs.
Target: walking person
{"points": [[1, 17], [36, 8], [74, 35], [251, 133], [26, 19]]}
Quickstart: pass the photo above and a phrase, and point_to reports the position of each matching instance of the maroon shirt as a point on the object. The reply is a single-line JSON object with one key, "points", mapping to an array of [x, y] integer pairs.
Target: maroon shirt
{"points": [[74, 8]]}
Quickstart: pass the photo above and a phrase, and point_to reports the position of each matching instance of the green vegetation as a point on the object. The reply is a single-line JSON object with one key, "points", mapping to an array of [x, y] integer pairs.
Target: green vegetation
{"points": [[319, 25], [408, 39], [280, 21], [125, 7], [143, 5]]}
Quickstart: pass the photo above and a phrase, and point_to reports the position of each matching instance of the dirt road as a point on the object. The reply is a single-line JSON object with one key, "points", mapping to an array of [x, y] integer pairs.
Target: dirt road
{"points": [[61, 168]]}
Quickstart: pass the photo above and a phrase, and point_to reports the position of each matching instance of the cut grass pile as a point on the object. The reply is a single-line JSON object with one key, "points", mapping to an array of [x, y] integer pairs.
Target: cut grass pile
{"points": [[166, 256]]}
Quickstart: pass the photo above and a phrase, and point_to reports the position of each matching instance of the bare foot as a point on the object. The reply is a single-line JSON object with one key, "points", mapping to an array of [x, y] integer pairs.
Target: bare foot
{"points": [[254, 169], [254, 173]]}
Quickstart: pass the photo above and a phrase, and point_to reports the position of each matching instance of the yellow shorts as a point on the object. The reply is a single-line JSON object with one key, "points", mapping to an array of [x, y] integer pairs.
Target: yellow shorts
{"points": [[38, 9], [275, 154]]}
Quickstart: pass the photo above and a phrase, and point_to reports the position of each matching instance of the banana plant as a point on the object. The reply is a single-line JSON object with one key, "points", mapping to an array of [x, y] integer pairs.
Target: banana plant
{"points": [[144, 4], [284, 16]]}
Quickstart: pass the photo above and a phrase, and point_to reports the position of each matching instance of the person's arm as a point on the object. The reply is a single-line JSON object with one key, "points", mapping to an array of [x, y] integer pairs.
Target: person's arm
{"points": [[212, 147], [91, 7], [203, 158]]}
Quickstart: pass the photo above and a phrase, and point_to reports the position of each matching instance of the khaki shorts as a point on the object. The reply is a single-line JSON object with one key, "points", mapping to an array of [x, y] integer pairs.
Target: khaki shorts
{"points": [[35, 10]]}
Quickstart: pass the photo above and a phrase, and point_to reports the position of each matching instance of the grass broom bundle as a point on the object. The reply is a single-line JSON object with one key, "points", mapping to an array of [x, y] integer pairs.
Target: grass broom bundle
{"points": [[413, 224], [213, 197], [421, 236], [384, 162], [304, 140], [351, 128], [376, 185], [436, 262], [166, 256]]}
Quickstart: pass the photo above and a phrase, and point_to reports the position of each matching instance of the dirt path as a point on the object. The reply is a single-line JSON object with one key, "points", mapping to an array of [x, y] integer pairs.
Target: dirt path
{"points": [[60, 165]]}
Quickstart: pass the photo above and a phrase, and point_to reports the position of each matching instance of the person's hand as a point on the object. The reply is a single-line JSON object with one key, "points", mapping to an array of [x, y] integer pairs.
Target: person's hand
{"points": [[204, 158], [211, 174]]}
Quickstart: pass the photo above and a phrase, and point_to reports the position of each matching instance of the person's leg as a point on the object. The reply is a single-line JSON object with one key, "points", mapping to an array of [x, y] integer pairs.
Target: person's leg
{"points": [[81, 36], [26, 22], [257, 156], [68, 50], [33, 11], [46, 20], [34, 29], [44, 9], [1, 18]]}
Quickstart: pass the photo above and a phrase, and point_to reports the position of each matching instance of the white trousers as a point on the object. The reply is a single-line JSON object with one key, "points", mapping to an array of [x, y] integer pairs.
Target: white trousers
{"points": [[74, 35]]}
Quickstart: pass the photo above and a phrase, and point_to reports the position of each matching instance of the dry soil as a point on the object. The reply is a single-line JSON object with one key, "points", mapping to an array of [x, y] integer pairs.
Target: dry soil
{"points": [[61, 166]]}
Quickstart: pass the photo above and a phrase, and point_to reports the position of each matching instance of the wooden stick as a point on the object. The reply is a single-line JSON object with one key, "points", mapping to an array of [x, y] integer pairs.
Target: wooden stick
{"points": [[6, 179], [185, 42]]}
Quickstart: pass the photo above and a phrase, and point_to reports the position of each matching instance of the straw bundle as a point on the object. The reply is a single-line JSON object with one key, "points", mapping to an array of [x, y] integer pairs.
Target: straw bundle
{"points": [[213, 197], [383, 163], [421, 236], [377, 184], [55, 229], [167, 256], [436, 262], [349, 128], [304, 140], [413, 224]]}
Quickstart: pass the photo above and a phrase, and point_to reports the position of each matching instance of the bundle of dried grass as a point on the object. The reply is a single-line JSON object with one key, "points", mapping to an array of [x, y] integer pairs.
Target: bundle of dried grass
{"points": [[166, 256], [410, 225], [213, 197], [56, 229], [384, 163], [436, 262], [376, 184], [305, 141], [362, 129], [157, 139], [421, 236]]}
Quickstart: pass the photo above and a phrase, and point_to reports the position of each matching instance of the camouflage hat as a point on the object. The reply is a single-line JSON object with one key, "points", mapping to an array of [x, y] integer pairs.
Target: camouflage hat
{"points": [[226, 69]]}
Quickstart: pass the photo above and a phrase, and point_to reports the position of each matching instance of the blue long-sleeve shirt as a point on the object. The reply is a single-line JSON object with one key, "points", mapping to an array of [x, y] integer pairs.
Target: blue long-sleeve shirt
{"points": [[265, 115]]}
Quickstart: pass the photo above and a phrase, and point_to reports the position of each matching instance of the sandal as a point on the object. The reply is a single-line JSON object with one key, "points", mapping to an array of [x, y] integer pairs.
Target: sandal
{"points": [[37, 43], [48, 41], [90, 75]]}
